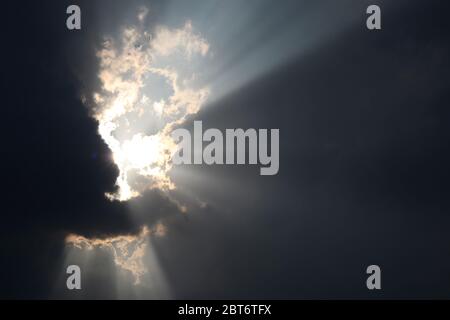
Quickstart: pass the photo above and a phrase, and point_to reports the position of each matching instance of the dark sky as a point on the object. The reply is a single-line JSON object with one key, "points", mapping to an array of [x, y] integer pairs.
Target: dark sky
{"points": [[364, 156]]}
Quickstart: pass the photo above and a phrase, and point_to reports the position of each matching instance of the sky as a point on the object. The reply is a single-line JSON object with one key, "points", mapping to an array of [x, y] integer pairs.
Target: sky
{"points": [[363, 176]]}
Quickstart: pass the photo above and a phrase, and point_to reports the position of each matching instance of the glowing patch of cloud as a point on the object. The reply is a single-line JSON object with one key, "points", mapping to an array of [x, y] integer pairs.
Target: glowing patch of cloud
{"points": [[128, 250], [160, 230], [167, 42], [142, 14], [129, 69]]}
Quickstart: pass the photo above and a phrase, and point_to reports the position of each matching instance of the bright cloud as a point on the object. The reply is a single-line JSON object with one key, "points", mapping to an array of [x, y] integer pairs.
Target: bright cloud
{"points": [[146, 78], [167, 42], [128, 250], [146, 91]]}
